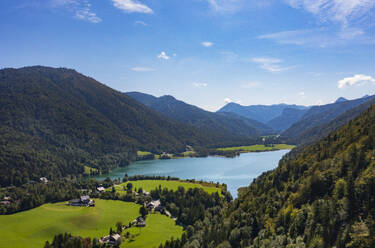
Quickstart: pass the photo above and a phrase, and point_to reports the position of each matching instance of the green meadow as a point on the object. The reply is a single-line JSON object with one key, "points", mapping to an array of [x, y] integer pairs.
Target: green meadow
{"points": [[159, 228], [34, 227], [257, 148], [149, 185]]}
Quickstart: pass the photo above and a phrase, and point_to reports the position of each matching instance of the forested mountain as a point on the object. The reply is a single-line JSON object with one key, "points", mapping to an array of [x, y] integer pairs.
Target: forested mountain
{"points": [[320, 115], [314, 134], [261, 113], [288, 117], [227, 124], [55, 121], [318, 197]]}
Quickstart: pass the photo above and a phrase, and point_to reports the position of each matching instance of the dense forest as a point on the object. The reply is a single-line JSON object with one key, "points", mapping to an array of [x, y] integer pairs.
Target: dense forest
{"points": [[320, 196]]}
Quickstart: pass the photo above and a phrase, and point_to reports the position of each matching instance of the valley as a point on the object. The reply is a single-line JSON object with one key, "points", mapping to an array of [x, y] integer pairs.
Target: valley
{"points": [[244, 176]]}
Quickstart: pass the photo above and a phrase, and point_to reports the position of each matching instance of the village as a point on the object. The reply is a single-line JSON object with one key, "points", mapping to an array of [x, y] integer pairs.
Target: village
{"points": [[148, 207]]}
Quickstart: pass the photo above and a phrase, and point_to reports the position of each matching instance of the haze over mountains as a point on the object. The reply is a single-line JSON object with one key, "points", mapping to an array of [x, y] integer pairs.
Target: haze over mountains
{"points": [[262, 113], [225, 123]]}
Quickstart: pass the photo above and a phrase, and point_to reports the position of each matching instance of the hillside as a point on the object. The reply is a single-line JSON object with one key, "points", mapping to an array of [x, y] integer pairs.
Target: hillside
{"points": [[320, 115], [227, 124], [55, 121], [288, 117], [316, 133], [261, 113], [321, 196]]}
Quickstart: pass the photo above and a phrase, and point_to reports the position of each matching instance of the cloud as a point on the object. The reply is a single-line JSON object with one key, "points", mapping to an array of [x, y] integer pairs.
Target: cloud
{"points": [[358, 79], [163, 55], [233, 6], [200, 85], [87, 15], [132, 6], [340, 11], [207, 44], [270, 64], [228, 100], [322, 37], [224, 5], [142, 69], [250, 85], [140, 23], [80, 8]]}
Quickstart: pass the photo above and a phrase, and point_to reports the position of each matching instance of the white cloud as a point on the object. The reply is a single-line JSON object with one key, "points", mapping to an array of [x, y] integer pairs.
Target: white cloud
{"points": [[270, 64], [322, 37], [142, 69], [250, 85], [341, 11], [163, 55], [207, 44], [228, 100], [87, 15], [358, 79], [140, 23], [132, 6], [200, 85], [80, 8]]}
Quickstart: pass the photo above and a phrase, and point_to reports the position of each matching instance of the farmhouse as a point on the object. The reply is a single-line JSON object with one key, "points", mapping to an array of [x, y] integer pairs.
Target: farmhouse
{"points": [[44, 180], [115, 239], [153, 205], [100, 189], [83, 201], [141, 222]]}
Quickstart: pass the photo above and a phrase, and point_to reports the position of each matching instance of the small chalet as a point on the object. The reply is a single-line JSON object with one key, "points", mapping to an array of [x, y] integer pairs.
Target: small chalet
{"points": [[83, 201], [100, 189], [153, 204], [141, 222], [43, 180], [115, 239]]}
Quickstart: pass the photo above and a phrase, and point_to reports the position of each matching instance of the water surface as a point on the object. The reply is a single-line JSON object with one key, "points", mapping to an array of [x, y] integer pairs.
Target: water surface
{"points": [[235, 172]]}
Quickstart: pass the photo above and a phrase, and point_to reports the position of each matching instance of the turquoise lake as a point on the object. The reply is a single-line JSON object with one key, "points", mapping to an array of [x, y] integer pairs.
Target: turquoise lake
{"points": [[235, 172]]}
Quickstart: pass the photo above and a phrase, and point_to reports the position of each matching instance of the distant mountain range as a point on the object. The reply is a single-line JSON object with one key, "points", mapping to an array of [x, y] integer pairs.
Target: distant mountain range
{"points": [[293, 120], [227, 124], [322, 120], [317, 116], [261, 113]]}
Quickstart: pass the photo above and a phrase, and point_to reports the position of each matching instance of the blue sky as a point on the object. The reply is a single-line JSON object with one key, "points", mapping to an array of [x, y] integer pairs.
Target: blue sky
{"points": [[205, 52]]}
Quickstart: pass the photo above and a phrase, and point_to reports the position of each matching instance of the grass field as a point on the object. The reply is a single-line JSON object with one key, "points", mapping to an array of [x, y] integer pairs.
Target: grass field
{"points": [[159, 228], [32, 228], [142, 153], [89, 169], [149, 185], [257, 148]]}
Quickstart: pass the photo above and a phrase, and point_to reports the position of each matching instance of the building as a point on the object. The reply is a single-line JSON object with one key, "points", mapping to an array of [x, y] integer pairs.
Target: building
{"points": [[43, 180], [115, 239], [141, 222], [83, 201], [100, 189], [153, 205]]}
